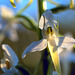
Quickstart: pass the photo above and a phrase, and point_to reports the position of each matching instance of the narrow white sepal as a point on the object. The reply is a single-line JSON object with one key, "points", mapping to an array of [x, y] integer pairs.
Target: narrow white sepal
{"points": [[11, 54], [41, 22], [35, 46]]}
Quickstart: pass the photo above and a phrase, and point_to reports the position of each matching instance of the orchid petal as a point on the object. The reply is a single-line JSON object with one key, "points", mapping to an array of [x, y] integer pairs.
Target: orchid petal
{"points": [[49, 17], [65, 42], [54, 54], [35, 46], [41, 22], [11, 54]]}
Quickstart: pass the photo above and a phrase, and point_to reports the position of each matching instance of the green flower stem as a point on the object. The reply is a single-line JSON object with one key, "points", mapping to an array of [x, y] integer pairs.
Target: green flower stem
{"points": [[27, 22], [40, 12], [59, 9], [57, 4], [40, 8], [36, 68], [23, 70], [30, 2], [50, 68]]}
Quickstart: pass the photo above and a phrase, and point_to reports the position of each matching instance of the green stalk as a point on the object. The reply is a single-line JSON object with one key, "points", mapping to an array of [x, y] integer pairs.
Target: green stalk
{"points": [[40, 11], [40, 8], [50, 68], [24, 8], [36, 69]]}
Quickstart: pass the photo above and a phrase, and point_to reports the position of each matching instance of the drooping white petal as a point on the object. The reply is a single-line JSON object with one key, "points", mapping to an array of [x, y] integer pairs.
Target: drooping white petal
{"points": [[65, 42], [35, 46], [11, 54]]}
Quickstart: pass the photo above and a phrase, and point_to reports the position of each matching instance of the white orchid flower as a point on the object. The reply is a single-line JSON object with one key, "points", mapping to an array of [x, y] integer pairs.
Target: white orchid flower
{"points": [[9, 61], [8, 27], [49, 26]]}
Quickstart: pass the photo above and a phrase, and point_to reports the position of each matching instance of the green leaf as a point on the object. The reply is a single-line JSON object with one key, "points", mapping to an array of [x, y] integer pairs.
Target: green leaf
{"points": [[12, 3], [28, 23]]}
